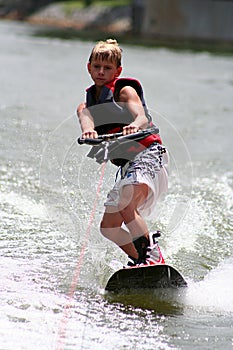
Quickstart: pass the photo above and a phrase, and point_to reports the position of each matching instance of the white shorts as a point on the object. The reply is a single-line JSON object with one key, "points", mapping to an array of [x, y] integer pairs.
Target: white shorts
{"points": [[149, 167]]}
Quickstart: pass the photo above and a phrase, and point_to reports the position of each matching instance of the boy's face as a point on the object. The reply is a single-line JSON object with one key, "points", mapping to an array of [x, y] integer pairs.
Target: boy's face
{"points": [[103, 71]]}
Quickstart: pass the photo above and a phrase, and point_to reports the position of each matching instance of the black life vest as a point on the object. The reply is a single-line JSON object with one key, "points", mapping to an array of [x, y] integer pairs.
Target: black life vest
{"points": [[109, 116]]}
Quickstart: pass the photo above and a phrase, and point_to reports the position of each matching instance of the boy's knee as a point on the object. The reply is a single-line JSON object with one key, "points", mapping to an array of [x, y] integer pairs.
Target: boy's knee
{"points": [[105, 227], [102, 227], [109, 226]]}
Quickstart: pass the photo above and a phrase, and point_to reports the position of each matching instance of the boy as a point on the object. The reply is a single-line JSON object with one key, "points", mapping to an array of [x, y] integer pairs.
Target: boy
{"points": [[143, 168]]}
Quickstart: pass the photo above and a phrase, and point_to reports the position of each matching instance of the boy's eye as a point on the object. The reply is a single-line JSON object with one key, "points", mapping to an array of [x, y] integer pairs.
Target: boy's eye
{"points": [[98, 66]]}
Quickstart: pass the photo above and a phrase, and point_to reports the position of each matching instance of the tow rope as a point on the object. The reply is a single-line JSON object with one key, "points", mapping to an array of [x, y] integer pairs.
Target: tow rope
{"points": [[76, 275]]}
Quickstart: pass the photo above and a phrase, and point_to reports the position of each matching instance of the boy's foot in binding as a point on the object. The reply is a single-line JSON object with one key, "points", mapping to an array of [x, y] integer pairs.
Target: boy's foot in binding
{"points": [[148, 251]]}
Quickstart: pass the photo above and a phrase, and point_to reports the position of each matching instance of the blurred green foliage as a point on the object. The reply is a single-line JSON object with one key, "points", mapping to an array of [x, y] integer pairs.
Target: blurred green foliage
{"points": [[85, 3]]}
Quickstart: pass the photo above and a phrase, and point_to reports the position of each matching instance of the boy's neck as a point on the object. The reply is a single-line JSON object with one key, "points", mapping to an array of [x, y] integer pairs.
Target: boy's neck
{"points": [[98, 90]]}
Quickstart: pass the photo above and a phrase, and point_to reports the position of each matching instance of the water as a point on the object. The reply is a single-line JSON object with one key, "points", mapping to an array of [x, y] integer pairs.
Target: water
{"points": [[53, 268]]}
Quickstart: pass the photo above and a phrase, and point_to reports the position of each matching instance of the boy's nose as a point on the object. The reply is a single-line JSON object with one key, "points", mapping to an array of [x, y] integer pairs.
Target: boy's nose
{"points": [[101, 70]]}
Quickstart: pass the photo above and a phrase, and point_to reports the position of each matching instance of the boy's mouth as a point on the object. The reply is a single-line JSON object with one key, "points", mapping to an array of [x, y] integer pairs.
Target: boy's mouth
{"points": [[100, 80]]}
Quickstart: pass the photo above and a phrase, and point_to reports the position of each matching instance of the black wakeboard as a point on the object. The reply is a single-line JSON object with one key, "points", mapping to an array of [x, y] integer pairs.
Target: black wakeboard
{"points": [[145, 277]]}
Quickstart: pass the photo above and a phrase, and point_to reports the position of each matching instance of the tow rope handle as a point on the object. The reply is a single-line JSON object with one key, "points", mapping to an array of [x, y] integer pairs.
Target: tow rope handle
{"points": [[119, 137]]}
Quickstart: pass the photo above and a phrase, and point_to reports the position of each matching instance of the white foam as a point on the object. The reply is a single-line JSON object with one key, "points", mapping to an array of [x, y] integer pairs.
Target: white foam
{"points": [[24, 205], [209, 207], [215, 291]]}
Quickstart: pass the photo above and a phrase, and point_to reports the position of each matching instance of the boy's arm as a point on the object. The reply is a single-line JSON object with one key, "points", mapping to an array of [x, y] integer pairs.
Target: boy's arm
{"points": [[86, 122], [129, 95]]}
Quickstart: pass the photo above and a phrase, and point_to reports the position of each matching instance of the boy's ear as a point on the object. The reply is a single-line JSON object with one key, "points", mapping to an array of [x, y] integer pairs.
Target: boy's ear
{"points": [[89, 67], [118, 72]]}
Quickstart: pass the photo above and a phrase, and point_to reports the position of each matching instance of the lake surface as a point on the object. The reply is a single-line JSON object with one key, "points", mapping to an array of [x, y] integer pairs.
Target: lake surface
{"points": [[54, 264]]}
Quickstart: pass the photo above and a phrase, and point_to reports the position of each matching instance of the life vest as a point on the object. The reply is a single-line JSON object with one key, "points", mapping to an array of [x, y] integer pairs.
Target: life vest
{"points": [[110, 117]]}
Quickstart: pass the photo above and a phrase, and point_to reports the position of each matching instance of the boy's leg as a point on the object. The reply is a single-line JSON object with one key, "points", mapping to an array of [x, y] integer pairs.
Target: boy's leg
{"points": [[111, 229], [131, 197]]}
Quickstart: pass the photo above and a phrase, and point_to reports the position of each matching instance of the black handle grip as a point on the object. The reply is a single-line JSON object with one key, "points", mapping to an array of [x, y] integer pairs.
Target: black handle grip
{"points": [[99, 139], [89, 141], [119, 136]]}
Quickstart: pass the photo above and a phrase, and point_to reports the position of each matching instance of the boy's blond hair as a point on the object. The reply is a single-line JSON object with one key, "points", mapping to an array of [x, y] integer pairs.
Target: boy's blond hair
{"points": [[107, 50]]}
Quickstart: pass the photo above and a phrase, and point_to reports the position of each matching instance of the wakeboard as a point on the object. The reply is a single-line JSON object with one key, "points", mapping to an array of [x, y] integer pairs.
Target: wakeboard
{"points": [[145, 277]]}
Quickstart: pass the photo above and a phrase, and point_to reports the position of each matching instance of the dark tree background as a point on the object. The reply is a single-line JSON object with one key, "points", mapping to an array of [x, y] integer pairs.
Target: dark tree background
{"points": [[22, 8]]}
